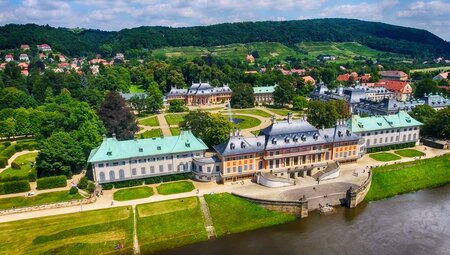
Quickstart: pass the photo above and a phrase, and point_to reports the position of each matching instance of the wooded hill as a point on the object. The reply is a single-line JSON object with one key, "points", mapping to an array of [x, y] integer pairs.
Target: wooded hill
{"points": [[384, 37]]}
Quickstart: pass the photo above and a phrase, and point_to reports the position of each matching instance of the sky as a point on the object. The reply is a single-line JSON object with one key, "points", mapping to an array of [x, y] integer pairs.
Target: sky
{"points": [[433, 16]]}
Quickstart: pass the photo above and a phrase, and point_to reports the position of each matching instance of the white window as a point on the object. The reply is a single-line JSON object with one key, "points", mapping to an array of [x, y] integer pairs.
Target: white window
{"points": [[142, 170], [152, 169], [161, 168], [102, 176], [133, 171]]}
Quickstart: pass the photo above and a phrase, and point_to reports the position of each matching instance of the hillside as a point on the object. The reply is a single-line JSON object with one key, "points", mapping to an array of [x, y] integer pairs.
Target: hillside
{"points": [[378, 36]]}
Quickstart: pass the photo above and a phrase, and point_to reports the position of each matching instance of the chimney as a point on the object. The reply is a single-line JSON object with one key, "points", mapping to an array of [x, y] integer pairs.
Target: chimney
{"points": [[114, 135], [289, 117], [104, 137], [273, 119]]}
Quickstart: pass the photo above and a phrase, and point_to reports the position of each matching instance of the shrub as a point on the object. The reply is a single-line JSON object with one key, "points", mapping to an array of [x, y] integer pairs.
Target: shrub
{"points": [[14, 165], [3, 161], [83, 183], [10, 178], [91, 187], [107, 186], [73, 190], [7, 144], [32, 175], [14, 187], [150, 180], [52, 182]]}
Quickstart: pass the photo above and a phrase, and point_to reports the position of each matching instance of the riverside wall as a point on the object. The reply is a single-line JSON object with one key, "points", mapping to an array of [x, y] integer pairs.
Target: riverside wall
{"points": [[70, 203]]}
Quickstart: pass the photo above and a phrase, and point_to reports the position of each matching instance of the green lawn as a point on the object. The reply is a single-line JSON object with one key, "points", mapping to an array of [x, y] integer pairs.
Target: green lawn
{"points": [[44, 198], [409, 153], [175, 187], [175, 130], [136, 89], [384, 156], [156, 132], [91, 232], [170, 224], [151, 121], [174, 119], [405, 177], [25, 167], [133, 193], [257, 112], [248, 122], [233, 215]]}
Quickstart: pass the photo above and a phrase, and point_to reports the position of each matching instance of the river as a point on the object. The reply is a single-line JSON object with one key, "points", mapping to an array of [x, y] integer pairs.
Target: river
{"points": [[415, 223]]}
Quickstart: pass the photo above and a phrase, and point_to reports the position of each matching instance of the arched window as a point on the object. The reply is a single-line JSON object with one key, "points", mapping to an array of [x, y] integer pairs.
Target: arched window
{"points": [[112, 175], [121, 174], [409, 137], [102, 176], [181, 167]]}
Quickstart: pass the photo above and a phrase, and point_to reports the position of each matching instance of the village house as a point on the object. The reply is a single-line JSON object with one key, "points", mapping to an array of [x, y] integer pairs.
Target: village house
{"points": [[120, 56], [250, 58], [393, 75], [62, 58], [24, 68], [9, 57], [25, 47], [402, 90], [201, 93], [309, 80], [44, 47], [355, 77], [441, 76], [24, 57], [264, 94]]}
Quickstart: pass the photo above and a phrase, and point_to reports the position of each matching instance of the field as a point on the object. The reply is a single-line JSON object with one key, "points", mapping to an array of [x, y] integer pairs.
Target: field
{"points": [[25, 166], [174, 119], [175, 187], [156, 132], [151, 121], [247, 122], [175, 131], [44, 198], [92, 232], [409, 153], [233, 215], [431, 69], [402, 178], [133, 193], [170, 224], [384, 156]]}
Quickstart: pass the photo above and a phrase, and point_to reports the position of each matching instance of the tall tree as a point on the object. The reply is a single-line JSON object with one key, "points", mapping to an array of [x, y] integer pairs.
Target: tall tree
{"points": [[284, 93], [438, 126], [14, 98], [243, 96], [154, 100], [117, 117], [138, 102], [321, 114], [178, 106], [423, 113], [425, 86], [299, 103]]}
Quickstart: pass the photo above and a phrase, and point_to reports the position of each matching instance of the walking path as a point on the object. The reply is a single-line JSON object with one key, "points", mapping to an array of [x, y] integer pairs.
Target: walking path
{"points": [[165, 128], [208, 221], [136, 248], [265, 122], [16, 155]]}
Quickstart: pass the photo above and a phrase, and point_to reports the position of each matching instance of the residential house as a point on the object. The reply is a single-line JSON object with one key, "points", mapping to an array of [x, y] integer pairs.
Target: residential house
{"points": [[393, 75], [25, 47], [250, 58], [24, 57], [441, 76], [402, 89], [44, 47], [120, 56], [9, 57], [309, 80]]}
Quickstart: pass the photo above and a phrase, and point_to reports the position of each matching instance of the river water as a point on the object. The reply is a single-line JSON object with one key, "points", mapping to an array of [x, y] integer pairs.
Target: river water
{"points": [[416, 223]]}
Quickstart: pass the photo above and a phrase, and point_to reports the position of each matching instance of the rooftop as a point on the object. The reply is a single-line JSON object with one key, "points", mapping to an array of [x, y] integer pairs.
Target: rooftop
{"points": [[398, 120]]}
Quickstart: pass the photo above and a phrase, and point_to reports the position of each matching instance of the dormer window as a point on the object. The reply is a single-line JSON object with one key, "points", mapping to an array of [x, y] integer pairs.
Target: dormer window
{"points": [[243, 145], [258, 144], [303, 138], [274, 141], [232, 146], [286, 139], [348, 132], [295, 138], [339, 133], [158, 147], [109, 153], [315, 136], [141, 149]]}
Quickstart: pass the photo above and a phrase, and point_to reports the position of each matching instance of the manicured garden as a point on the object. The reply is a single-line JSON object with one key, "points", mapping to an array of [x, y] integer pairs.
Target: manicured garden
{"points": [[384, 156], [150, 121], [245, 122], [280, 111], [156, 132], [24, 162], [232, 215], [174, 119], [257, 112], [92, 232], [175, 187], [405, 177], [133, 193], [44, 198], [409, 153], [170, 224], [175, 130]]}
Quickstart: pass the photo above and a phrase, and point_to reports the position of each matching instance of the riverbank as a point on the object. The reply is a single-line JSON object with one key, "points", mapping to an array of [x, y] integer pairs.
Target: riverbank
{"points": [[396, 179]]}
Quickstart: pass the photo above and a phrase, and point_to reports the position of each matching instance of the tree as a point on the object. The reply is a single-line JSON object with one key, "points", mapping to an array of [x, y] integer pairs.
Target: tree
{"points": [[218, 129], [196, 121], [438, 126], [425, 86], [423, 113], [117, 117], [154, 100], [8, 127], [284, 93], [243, 96], [14, 98], [341, 108], [299, 103], [322, 114], [60, 154], [138, 102], [178, 106]]}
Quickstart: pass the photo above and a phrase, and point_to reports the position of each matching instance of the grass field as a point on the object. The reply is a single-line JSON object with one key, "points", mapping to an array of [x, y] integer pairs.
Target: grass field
{"points": [[44, 198], [431, 69], [133, 193], [170, 224], [151, 121], [384, 156], [248, 122], [175, 130], [341, 50], [156, 132], [92, 232], [25, 166], [174, 119], [233, 215], [136, 89], [175, 187], [257, 112], [405, 177], [409, 153]]}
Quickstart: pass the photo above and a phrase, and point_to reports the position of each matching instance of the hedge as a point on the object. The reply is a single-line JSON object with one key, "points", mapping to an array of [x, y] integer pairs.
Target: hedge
{"points": [[11, 178], [52, 182], [391, 147], [14, 187], [150, 180], [9, 151]]}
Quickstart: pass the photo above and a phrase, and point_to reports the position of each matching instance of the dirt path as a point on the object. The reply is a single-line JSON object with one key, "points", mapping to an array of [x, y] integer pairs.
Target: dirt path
{"points": [[208, 221], [18, 154], [136, 248], [165, 128]]}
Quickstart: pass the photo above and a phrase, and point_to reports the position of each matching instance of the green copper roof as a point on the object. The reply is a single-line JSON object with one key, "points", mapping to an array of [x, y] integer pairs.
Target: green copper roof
{"points": [[261, 90], [112, 149], [400, 120]]}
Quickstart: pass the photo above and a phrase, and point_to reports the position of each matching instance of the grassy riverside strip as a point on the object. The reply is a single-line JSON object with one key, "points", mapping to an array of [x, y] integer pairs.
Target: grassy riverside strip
{"points": [[175, 187], [384, 156], [44, 198], [133, 193], [169, 224], [233, 215], [92, 232], [409, 153], [396, 179]]}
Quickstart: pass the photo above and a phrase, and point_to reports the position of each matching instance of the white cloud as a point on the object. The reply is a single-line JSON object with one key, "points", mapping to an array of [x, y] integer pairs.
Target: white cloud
{"points": [[364, 10]]}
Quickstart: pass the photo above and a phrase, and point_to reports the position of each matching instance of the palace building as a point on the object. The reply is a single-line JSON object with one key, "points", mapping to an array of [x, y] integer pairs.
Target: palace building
{"points": [[264, 95], [201, 94]]}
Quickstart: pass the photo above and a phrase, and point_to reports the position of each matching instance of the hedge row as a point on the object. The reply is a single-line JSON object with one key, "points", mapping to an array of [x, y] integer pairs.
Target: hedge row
{"points": [[52, 182], [14, 187], [150, 180], [391, 147], [11, 149]]}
